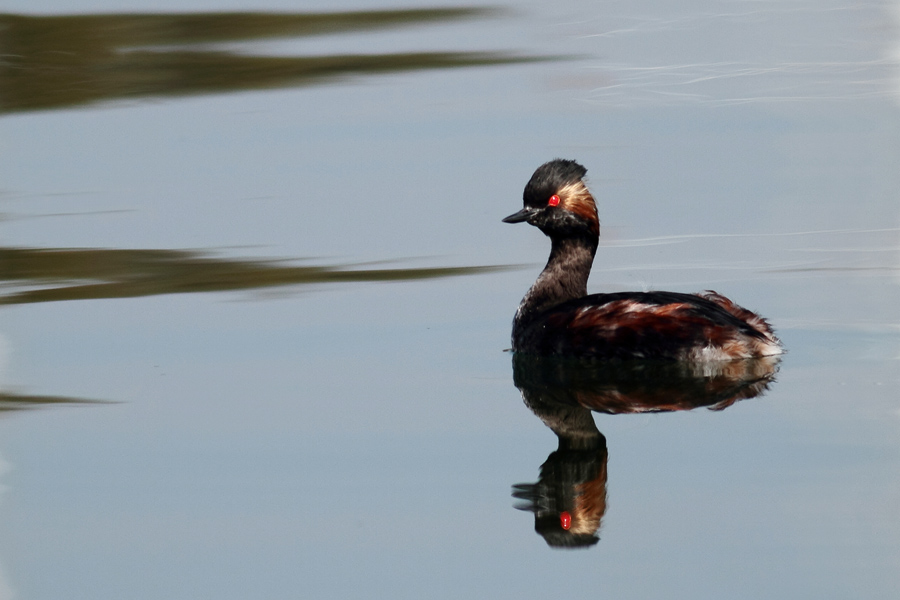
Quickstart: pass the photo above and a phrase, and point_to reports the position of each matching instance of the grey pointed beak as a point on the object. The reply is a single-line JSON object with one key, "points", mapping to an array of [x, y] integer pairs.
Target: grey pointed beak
{"points": [[520, 216]]}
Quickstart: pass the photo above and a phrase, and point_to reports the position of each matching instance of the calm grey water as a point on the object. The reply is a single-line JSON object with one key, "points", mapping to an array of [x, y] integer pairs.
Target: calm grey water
{"points": [[236, 411]]}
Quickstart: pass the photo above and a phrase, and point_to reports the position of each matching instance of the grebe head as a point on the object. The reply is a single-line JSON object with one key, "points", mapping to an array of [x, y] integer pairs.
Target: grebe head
{"points": [[558, 202]]}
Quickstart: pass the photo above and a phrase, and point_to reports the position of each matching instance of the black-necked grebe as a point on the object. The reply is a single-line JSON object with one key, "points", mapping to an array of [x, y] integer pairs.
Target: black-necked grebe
{"points": [[558, 318]]}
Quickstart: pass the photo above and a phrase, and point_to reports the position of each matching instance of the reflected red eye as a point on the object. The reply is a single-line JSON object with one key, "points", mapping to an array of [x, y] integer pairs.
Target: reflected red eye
{"points": [[553, 201], [565, 519]]}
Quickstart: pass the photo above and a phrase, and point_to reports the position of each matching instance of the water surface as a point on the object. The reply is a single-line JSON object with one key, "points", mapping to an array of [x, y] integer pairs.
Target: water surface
{"points": [[256, 296]]}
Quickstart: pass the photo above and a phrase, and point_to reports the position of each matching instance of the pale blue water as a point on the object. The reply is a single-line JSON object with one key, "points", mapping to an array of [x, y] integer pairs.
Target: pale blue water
{"points": [[360, 439]]}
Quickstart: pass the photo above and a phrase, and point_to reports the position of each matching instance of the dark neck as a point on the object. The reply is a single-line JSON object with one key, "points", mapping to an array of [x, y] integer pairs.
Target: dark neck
{"points": [[564, 278]]}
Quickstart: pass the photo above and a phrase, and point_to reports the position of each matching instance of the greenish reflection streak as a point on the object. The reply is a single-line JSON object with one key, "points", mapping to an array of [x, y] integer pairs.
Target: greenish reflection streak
{"points": [[63, 61], [87, 274], [12, 402]]}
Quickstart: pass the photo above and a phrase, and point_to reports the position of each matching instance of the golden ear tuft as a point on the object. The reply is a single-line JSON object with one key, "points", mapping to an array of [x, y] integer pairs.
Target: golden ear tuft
{"points": [[578, 200]]}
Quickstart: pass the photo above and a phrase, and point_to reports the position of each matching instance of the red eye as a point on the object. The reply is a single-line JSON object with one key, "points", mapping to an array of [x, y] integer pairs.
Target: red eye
{"points": [[565, 519], [553, 201]]}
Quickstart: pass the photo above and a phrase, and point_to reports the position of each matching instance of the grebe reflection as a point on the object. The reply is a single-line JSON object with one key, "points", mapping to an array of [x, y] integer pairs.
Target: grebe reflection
{"points": [[569, 498]]}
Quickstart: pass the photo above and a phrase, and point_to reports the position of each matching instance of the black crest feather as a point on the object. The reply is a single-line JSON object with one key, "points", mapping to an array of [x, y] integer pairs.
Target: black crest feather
{"points": [[549, 178]]}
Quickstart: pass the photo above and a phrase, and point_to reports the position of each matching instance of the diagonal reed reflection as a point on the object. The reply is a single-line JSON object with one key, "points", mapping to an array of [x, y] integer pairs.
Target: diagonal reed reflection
{"points": [[52, 62], [82, 274], [10, 401]]}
